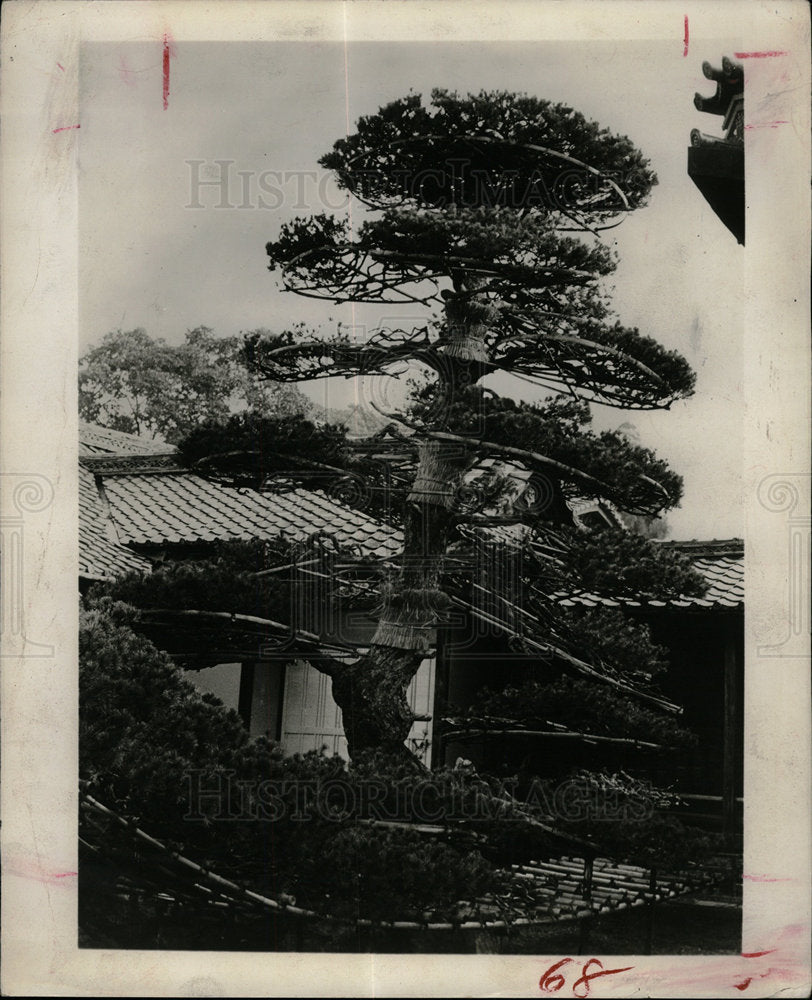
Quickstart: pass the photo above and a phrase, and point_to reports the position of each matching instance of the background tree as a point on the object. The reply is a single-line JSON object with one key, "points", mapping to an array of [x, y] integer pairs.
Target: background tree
{"points": [[135, 384], [472, 200]]}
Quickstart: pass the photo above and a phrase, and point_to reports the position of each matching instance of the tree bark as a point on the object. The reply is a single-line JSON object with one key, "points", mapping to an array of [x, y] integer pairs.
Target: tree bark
{"points": [[371, 693], [372, 697]]}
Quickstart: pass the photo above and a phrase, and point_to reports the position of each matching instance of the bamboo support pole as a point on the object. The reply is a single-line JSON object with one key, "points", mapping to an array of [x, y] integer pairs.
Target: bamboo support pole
{"points": [[563, 901]]}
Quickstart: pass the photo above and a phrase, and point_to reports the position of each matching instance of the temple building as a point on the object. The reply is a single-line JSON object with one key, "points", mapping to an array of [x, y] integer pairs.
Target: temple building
{"points": [[716, 163]]}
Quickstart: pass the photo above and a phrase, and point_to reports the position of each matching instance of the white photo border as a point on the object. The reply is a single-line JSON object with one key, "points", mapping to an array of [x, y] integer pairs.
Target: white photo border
{"points": [[41, 129]]}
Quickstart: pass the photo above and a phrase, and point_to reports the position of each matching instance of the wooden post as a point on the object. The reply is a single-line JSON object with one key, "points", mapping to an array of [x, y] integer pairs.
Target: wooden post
{"points": [[585, 923], [729, 738], [652, 889], [439, 703], [588, 868], [583, 935], [246, 695]]}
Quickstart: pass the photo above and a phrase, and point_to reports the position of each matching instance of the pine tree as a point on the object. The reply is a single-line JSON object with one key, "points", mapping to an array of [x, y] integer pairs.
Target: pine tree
{"points": [[487, 211]]}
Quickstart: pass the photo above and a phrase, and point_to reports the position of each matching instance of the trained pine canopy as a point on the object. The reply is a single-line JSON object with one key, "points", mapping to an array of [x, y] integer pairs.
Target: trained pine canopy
{"points": [[470, 202]]}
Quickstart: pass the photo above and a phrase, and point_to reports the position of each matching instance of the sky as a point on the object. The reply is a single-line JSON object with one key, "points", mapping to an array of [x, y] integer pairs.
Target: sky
{"points": [[161, 251]]}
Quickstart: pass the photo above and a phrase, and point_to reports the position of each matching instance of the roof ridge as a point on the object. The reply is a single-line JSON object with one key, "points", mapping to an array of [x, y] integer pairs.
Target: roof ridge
{"points": [[712, 547], [149, 446], [132, 464]]}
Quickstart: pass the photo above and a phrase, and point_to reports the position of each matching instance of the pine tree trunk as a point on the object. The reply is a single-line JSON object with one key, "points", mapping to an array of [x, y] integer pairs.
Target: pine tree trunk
{"points": [[372, 697], [372, 692]]}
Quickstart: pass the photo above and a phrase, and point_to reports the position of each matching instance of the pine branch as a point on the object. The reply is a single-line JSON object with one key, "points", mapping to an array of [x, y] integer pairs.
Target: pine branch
{"points": [[582, 667], [539, 461], [311, 645]]}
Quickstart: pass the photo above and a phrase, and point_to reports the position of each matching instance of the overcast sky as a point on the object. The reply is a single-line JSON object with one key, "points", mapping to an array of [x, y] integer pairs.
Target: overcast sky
{"points": [[148, 259]]}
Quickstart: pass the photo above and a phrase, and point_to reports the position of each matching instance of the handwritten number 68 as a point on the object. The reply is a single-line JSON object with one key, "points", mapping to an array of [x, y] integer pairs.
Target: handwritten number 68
{"points": [[553, 980]]}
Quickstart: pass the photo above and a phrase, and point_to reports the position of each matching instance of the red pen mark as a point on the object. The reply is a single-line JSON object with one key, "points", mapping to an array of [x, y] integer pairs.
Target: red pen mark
{"points": [[166, 72], [65, 128], [765, 878], [758, 55], [25, 868], [552, 980], [61, 67], [753, 954], [774, 124], [685, 39], [586, 977]]}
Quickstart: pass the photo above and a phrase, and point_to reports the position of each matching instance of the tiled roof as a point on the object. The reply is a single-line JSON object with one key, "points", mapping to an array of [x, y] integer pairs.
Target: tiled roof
{"points": [[723, 569], [96, 440], [178, 506], [721, 563], [559, 886], [147, 499], [151, 501], [100, 556]]}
